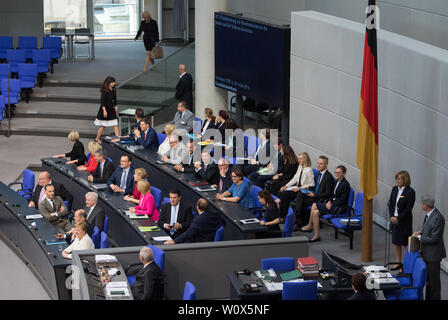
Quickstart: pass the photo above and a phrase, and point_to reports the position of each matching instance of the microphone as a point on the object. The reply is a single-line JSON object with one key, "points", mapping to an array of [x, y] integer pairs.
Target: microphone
{"points": [[116, 274]]}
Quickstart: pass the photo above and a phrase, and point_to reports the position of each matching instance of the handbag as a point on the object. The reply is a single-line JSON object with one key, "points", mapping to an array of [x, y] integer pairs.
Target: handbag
{"points": [[157, 52]]}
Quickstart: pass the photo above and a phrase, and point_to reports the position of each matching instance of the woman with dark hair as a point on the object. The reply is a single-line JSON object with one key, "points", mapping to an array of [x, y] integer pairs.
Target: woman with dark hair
{"points": [[150, 36], [220, 122], [287, 172], [239, 191], [271, 215], [360, 288], [107, 114], [401, 202]]}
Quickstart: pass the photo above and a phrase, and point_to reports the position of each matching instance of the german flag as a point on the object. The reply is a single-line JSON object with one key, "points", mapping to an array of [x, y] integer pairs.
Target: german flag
{"points": [[367, 149]]}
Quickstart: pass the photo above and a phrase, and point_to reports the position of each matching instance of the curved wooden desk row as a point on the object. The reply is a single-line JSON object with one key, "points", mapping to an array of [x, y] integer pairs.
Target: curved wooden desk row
{"points": [[27, 238]]}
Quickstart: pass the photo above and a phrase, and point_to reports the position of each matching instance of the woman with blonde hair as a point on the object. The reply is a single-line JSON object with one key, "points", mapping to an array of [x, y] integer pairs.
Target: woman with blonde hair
{"points": [[165, 146], [147, 204], [209, 120], [139, 174], [77, 155], [91, 164], [150, 36]]}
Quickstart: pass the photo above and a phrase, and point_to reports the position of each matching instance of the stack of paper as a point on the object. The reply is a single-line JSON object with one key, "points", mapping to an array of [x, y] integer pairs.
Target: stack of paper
{"points": [[117, 290], [33, 216], [136, 215], [308, 266], [266, 273], [104, 258]]}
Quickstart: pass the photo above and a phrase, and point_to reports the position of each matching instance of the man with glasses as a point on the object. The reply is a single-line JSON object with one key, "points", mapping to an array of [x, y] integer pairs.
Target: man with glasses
{"points": [[122, 180], [336, 204], [225, 176], [178, 152]]}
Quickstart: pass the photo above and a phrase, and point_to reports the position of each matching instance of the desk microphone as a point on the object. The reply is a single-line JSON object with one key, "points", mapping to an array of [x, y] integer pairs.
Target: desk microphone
{"points": [[116, 274]]}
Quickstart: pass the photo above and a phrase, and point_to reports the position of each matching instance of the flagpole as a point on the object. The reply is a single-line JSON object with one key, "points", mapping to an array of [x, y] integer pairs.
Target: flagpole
{"points": [[366, 237]]}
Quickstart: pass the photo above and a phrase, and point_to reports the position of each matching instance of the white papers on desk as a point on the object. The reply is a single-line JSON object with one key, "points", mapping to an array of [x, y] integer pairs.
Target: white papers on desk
{"points": [[291, 188], [112, 271], [273, 286], [117, 290], [116, 284], [136, 216], [375, 269], [161, 238], [99, 186], [33, 216], [271, 273], [251, 220], [103, 258]]}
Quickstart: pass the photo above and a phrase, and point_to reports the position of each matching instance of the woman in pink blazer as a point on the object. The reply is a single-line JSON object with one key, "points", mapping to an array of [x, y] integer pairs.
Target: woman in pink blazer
{"points": [[147, 203]]}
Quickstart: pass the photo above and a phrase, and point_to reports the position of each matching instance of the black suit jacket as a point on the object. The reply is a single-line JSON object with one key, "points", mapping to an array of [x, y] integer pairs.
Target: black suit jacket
{"points": [[184, 217], [326, 188], [96, 218], [184, 90], [404, 207], [148, 283], [211, 125], [108, 170], [59, 190], [211, 175], [202, 228], [431, 242], [226, 181], [340, 198]]}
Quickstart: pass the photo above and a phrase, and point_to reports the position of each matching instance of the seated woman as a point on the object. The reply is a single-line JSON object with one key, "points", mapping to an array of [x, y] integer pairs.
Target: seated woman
{"points": [[147, 204], [139, 174], [81, 242], [266, 173], [239, 191], [287, 171], [209, 120], [165, 146], [337, 203], [77, 155], [91, 164], [271, 215]]}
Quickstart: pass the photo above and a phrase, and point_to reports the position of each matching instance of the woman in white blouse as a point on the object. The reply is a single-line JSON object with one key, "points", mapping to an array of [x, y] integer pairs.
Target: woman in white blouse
{"points": [[209, 121], [81, 242], [165, 146], [302, 181]]}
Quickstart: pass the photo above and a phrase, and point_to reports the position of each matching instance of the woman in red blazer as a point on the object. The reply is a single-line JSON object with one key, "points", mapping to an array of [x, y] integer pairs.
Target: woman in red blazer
{"points": [[91, 164], [139, 174], [147, 203]]}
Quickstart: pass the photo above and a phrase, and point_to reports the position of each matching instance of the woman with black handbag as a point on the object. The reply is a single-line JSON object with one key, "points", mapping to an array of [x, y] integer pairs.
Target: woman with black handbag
{"points": [[150, 36]]}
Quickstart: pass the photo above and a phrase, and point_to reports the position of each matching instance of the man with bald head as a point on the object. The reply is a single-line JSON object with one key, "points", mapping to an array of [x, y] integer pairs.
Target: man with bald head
{"points": [[39, 192], [184, 88], [203, 227], [148, 283]]}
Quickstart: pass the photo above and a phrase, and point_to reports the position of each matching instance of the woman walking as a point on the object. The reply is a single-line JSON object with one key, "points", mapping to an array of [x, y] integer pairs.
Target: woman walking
{"points": [[107, 114], [150, 36]]}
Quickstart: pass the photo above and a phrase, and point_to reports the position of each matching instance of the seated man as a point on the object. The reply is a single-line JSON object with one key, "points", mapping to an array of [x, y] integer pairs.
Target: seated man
{"points": [[207, 169], [334, 205], [39, 191], [139, 115], [79, 216], [122, 180], [203, 227], [147, 137], [104, 169], [148, 283], [224, 177], [95, 214], [184, 118], [175, 217], [178, 152], [189, 166], [53, 209]]}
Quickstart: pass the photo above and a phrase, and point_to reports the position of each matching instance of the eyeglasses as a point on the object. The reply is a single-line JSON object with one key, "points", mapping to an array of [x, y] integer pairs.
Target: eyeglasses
{"points": [[338, 172]]}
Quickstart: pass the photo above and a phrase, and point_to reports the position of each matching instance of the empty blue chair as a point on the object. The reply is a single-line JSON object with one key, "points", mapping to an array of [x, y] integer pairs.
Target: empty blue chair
{"points": [[278, 264], [96, 237], [2, 107], [159, 259], [42, 58], [66, 204], [54, 44], [106, 224], [104, 242], [289, 223], [27, 75], [189, 291], [415, 291], [14, 86], [306, 290], [28, 43], [219, 235], [197, 125], [157, 193], [405, 276], [161, 137], [252, 145], [5, 44], [14, 57], [254, 194], [4, 70], [27, 184]]}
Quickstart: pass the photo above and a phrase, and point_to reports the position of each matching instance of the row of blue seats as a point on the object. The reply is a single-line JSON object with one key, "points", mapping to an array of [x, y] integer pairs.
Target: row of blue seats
{"points": [[41, 57], [28, 43]]}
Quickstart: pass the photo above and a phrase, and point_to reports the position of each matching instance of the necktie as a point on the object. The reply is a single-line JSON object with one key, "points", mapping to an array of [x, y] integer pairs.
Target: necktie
{"points": [[220, 184], [318, 181], [123, 180], [144, 136], [52, 204], [426, 218], [173, 218]]}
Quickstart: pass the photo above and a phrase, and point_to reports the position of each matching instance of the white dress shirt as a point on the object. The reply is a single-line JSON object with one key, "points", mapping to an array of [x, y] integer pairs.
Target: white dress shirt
{"points": [[400, 191]]}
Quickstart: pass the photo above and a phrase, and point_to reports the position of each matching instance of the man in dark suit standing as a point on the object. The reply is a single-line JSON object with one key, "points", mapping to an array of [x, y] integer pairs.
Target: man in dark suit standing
{"points": [[39, 192], [184, 87], [104, 169], [95, 214], [224, 177], [147, 137], [207, 169], [148, 283], [322, 192], [175, 217], [432, 246], [122, 180], [203, 227]]}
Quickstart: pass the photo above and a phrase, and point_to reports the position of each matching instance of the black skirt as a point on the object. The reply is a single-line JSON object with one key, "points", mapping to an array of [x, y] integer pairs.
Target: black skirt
{"points": [[149, 44], [400, 234]]}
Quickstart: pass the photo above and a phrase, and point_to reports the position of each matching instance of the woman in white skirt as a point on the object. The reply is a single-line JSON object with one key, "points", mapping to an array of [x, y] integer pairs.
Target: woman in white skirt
{"points": [[107, 114]]}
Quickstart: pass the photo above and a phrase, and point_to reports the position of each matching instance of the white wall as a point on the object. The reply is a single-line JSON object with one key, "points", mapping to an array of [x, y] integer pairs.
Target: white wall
{"points": [[326, 69], [426, 20]]}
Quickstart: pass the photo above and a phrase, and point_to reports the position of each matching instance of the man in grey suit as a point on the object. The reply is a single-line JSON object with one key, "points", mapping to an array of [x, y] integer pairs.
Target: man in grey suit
{"points": [[177, 154], [432, 246], [184, 118], [53, 209]]}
